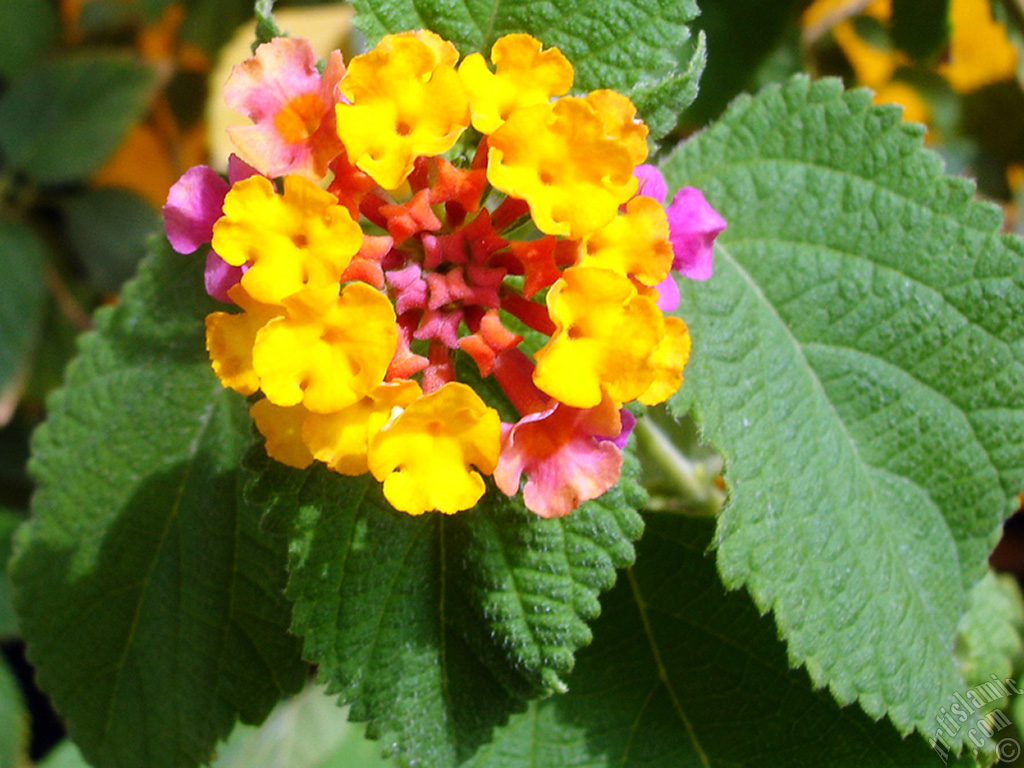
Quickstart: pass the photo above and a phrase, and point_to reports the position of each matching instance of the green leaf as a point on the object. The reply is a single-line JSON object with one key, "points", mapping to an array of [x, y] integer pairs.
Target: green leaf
{"points": [[858, 361], [434, 629], [376, 606], [637, 47], [535, 583], [108, 229], [14, 724], [61, 120], [150, 601], [920, 27], [9, 521], [683, 674], [308, 730], [988, 638], [22, 300], [27, 29]]}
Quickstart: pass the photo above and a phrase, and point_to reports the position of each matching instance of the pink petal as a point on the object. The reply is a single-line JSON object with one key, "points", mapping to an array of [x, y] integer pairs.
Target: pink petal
{"points": [[668, 294], [261, 86], [194, 203], [220, 276], [239, 170], [564, 456], [693, 226], [652, 183]]}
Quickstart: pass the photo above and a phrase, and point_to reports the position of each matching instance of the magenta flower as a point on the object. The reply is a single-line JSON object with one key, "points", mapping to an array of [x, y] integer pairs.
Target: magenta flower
{"points": [[693, 226], [194, 203]]}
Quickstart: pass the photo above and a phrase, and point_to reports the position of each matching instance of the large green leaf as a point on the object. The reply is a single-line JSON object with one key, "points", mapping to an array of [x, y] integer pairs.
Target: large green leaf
{"points": [[859, 360], [639, 47], [434, 629], [151, 603], [22, 299], [60, 120], [682, 674]]}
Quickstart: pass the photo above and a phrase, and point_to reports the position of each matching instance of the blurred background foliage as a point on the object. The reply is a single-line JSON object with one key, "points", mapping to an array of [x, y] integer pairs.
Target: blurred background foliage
{"points": [[104, 103]]}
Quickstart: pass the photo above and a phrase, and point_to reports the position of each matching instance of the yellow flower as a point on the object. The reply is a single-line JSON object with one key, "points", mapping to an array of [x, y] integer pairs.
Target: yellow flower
{"points": [[559, 159], [329, 351], [605, 335], [444, 52], [341, 439], [230, 337], [621, 122], [668, 360], [303, 237], [426, 455], [282, 428], [634, 243], [524, 76], [980, 52], [405, 101]]}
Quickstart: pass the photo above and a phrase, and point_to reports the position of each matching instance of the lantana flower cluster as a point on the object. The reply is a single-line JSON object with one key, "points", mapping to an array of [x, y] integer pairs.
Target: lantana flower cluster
{"points": [[367, 271]]}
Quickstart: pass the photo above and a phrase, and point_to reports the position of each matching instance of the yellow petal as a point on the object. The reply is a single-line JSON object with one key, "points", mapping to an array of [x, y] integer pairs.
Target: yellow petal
{"points": [[525, 75], [302, 237], [668, 360], [341, 439], [282, 428], [605, 335], [426, 456], [621, 122], [403, 103], [559, 159], [327, 353], [634, 243]]}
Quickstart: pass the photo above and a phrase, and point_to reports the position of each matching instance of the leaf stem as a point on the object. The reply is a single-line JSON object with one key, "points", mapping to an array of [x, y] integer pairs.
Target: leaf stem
{"points": [[693, 480]]}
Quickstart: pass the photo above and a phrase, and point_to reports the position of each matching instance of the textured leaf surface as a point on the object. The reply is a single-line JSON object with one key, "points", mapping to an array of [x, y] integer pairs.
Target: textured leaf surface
{"points": [[22, 298], [62, 119], [149, 599], [858, 360], [433, 628], [637, 47], [682, 674]]}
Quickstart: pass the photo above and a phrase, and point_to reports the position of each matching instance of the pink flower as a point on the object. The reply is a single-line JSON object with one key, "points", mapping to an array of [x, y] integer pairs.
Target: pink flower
{"points": [[652, 183], [569, 455], [194, 203], [292, 106], [693, 226]]}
